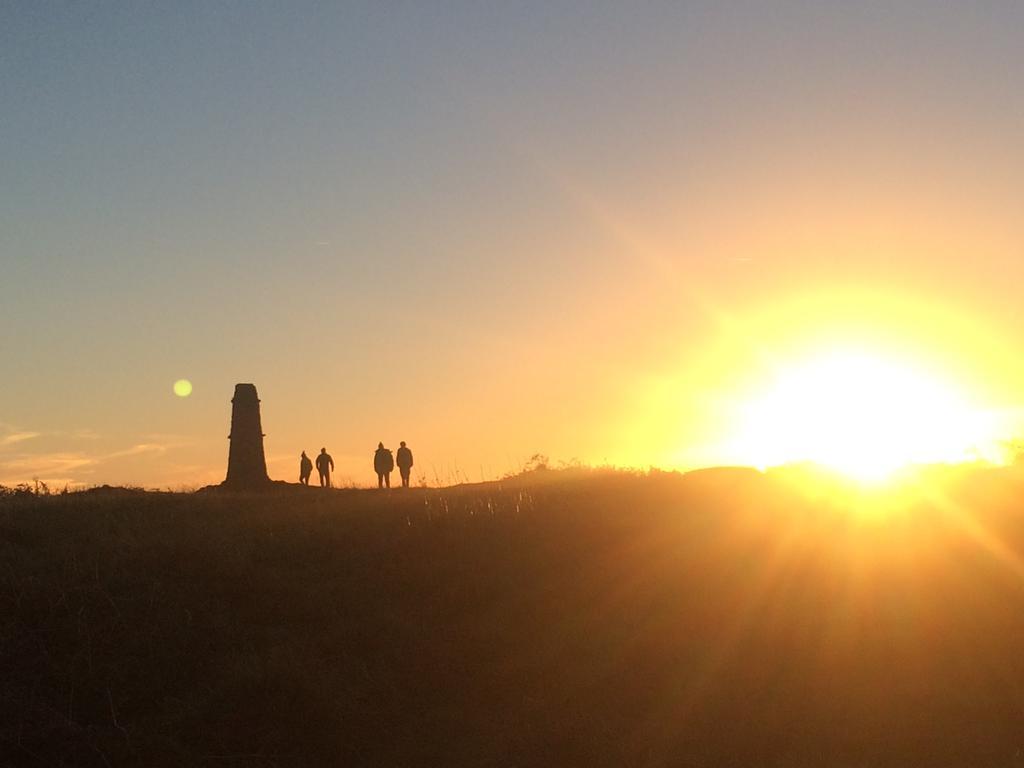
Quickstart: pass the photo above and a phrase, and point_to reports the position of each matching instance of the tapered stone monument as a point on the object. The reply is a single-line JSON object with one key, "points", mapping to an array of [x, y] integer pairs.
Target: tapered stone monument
{"points": [[247, 465]]}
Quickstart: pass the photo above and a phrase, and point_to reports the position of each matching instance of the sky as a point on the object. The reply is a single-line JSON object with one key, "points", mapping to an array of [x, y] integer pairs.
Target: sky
{"points": [[594, 231]]}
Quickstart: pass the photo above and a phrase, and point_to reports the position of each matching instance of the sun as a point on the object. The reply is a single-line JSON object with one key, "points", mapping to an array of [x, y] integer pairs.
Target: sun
{"points": [[859, 414]]}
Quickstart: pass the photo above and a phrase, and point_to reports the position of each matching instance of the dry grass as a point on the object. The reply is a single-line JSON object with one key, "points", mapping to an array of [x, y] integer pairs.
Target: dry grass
{"points": [[557, 619]]}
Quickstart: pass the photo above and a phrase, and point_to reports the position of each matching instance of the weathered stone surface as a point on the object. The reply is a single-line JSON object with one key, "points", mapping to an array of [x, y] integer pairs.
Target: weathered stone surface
{"points": [[247, 465]]}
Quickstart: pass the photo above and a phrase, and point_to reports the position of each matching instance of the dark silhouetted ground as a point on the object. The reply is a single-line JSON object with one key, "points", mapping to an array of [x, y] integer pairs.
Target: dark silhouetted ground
{"points": [[559, 619]]}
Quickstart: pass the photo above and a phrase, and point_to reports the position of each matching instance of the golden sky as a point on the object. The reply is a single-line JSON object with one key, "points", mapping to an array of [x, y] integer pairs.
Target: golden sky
{"points": [[679, 237]]}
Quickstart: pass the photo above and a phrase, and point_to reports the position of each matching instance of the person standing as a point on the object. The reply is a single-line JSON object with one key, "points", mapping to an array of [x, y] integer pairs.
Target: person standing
{"points": [[324, 465], [403, 458], [383, 463], [305, 469]]}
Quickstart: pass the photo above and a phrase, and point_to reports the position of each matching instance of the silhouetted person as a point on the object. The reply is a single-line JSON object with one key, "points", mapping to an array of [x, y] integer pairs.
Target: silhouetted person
{"points": [[324, 465], [383, 463], [305, 469], [403, 457]]}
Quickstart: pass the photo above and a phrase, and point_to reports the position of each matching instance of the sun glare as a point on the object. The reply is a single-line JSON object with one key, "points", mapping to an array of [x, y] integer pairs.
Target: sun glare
{"points": [[861, 415]]}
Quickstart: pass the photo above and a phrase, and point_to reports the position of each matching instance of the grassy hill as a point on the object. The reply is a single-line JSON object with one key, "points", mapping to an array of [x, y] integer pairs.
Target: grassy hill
{"points": [[558, 619]]}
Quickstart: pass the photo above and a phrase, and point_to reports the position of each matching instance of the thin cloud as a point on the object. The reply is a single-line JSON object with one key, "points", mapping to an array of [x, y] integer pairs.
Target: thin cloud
{"points": [[136, 450], [17, 437], [168, 439], [12, 435], [75, 467], [55, 468]]}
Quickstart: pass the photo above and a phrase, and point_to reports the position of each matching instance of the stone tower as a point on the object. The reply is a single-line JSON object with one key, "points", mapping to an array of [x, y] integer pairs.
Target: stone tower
{"points": [[247, 466]]}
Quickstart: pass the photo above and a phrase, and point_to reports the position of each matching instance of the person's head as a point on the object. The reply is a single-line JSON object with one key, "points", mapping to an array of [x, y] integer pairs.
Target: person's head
{"points": [[323, 450], [403, 443], [303, 454], [379, 446]]}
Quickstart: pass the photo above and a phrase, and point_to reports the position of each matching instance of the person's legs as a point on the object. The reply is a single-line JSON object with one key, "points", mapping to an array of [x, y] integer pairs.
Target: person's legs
{"points": [[380, 479], [405, 478], [387, 479]]}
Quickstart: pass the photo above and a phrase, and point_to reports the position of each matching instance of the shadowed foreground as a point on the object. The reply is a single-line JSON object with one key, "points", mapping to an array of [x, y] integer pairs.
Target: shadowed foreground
{"points": [[558, 619]]}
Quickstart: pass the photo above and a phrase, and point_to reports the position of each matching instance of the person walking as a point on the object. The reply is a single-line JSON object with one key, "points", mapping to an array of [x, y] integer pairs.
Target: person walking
{"points": [[383, 463], [404, 460], [324, 465], [305, 469]]}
